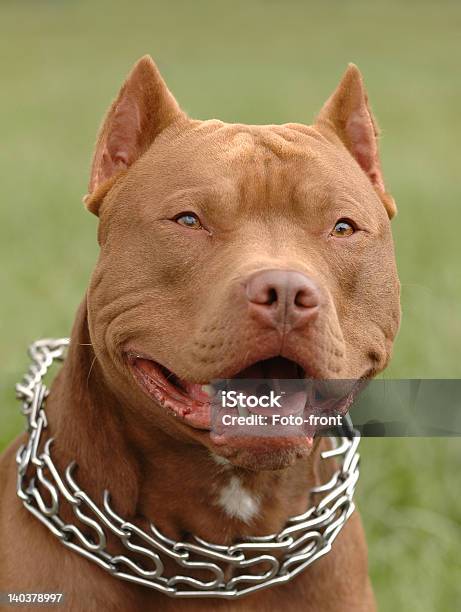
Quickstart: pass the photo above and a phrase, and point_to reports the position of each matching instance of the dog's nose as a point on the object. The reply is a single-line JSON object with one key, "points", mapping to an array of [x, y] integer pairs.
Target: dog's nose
{"points": [[282, 298]]}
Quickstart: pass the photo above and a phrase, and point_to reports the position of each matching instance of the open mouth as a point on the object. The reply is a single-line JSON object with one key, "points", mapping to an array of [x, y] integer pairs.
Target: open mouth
{"points": [[192, 401], [199, 405]]}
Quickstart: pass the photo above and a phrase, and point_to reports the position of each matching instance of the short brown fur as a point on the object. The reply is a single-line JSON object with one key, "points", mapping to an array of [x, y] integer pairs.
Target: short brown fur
{"points": [[268, 196]]}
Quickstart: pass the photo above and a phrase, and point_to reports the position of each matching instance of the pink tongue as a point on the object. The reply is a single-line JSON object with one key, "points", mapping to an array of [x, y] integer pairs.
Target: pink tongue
{"points": [[275, 370]]}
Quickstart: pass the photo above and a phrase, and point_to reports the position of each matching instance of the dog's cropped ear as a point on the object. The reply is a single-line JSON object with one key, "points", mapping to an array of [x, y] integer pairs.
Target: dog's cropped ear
{"points": [[143, 108], [347, 115]]}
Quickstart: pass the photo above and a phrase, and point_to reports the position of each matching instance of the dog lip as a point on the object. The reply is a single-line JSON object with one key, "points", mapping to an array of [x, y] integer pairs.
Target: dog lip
{"points": [[197, 415], [190, 401], [298, 370], [158, 383]]}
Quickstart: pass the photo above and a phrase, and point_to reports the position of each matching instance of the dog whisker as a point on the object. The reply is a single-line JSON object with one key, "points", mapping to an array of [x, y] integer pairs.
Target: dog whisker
{"points": [[90, 370]]}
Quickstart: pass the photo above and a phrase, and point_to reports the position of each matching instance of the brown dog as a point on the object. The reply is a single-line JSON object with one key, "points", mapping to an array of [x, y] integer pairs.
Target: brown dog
{"points": [[225, 250]]}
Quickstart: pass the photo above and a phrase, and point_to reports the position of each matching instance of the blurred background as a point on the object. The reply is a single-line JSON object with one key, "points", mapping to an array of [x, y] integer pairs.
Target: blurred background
{"points": [[256, 62]]}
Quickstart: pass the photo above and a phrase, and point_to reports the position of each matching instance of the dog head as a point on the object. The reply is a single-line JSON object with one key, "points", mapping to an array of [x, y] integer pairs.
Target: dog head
{"points": [[232, 250]]}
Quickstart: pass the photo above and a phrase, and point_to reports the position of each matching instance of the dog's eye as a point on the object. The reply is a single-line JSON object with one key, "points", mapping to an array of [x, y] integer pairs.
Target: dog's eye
{"points": [[343, 228], [189, 219]]}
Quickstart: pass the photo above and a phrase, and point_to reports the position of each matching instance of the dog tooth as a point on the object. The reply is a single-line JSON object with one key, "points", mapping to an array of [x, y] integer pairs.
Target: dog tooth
{"points": [[208, 389], [242, 409]]}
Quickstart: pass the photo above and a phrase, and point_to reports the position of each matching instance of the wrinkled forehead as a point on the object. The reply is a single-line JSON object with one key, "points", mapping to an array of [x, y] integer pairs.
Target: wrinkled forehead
{"points": [[251, 166]]}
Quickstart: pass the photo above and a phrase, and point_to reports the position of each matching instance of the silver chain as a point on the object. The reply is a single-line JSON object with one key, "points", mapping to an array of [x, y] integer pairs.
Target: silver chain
{"points": [[304, 539]]}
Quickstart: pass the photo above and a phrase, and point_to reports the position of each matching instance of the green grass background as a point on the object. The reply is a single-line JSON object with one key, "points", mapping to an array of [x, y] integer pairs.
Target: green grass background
{"points": [[258, 62]]}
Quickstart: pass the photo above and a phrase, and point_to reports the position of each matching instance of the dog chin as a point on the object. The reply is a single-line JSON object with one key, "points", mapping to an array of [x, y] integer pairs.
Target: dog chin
{"points": [[256, 454]]}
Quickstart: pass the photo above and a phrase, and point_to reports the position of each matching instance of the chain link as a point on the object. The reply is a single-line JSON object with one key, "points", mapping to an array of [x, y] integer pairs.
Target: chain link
{"points": [[283, 555]]}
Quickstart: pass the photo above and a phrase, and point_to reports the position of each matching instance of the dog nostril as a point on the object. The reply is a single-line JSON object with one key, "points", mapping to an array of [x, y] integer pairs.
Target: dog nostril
{"points": [[262, 293], [271, 296], [306, 298]]}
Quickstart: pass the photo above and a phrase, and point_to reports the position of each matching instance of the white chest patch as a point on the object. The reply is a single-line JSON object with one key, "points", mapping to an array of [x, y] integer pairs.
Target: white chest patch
{"points": [[237, 502]]}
